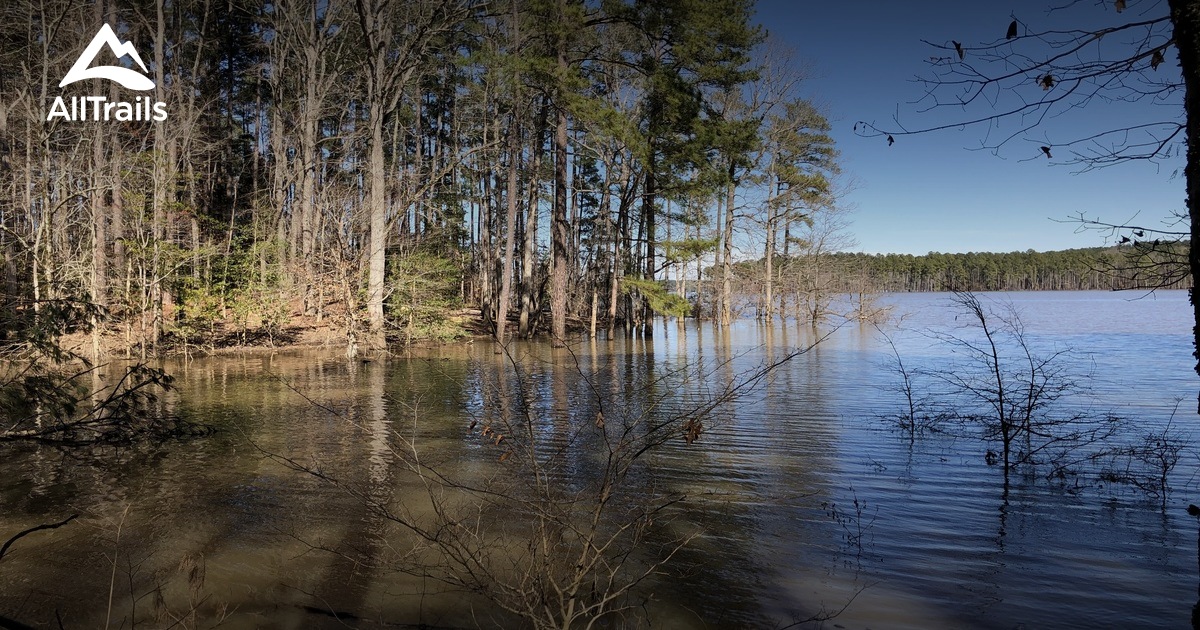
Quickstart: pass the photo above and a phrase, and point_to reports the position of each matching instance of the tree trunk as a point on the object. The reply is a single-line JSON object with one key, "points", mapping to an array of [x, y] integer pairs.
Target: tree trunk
{"points": [[560, 231], [620, 248], [99, 218], [377, 211], [769, 254], [529, 302], [162, 186], [486, 255], [727, 254], [648, 202], [1185, 16], [510, 228], [117, 208], [308, 171]]}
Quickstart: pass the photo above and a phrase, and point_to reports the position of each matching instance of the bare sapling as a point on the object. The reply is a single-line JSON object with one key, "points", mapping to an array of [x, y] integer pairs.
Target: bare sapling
{"points": [[558, 520]]}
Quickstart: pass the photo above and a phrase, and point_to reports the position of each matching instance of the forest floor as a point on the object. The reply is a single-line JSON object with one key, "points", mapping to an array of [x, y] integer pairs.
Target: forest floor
{"points": [[226, 336]]}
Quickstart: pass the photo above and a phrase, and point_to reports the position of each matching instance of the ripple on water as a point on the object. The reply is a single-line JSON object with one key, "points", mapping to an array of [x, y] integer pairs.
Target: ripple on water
{"points": [[935, 541]]}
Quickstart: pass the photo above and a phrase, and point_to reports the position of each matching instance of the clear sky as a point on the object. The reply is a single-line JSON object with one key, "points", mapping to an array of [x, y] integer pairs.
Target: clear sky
{"points": [[933, 192]]}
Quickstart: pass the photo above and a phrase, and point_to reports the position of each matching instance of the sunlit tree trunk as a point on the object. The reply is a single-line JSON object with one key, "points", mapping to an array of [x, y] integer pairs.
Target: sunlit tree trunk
{"points": [[727, 252], [510, 225], [560, 230], [163, 157], [769, 253], [377, 222]]}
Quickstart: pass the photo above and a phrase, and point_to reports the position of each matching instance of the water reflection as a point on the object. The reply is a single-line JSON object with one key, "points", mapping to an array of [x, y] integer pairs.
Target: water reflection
{"points": [[940, 542]]}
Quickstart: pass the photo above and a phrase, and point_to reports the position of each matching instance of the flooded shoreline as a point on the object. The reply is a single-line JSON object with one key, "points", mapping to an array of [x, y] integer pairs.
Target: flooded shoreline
{"points": [[795, 500]]}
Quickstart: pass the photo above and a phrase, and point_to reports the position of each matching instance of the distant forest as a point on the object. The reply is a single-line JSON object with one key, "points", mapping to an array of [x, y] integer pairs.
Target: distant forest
{"points": [[1086, 269], [1094, 268], [386, 171]]}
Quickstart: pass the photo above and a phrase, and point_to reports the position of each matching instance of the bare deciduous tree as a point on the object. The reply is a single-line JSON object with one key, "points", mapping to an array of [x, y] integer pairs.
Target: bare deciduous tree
{"points": [[1140, 52], [566, 524], [1019, 397]]}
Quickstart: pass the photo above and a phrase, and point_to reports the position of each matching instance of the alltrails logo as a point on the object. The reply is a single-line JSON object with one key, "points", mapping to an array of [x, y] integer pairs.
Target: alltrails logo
{"points": [[98, 107]]}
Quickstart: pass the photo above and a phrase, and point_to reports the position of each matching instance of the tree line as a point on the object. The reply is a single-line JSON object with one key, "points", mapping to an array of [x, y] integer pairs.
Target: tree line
{"points": [[814, 284], [373, 165], [1092, 268], [1036, 80]]}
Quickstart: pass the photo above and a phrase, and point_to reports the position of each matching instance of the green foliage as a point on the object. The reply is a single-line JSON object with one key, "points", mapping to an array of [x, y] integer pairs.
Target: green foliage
{"points": [[199, 313], [60, 406], [804, 157], [690, 249], [425, 288], [695, 46], [264, 309], [211, 232], [245, 287], [661, 301], [34, 329], [51, 394]]}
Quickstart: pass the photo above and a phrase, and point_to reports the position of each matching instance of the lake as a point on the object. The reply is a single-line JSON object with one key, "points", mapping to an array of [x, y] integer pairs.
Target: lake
{"points": [[801, 499]]}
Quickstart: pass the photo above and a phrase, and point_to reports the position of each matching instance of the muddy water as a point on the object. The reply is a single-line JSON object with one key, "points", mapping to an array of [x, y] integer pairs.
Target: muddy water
{"points": [[802, 501]]}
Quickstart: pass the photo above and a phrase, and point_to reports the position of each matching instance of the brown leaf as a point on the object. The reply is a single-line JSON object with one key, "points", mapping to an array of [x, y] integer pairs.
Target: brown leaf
{"points": [[1156, 59], [1120, 5], [692, 430], [505, 456]]}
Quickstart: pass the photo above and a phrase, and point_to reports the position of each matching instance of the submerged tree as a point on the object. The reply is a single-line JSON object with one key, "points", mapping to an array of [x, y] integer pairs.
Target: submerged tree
{"points": [[311, 147], [799, 169], [1018, 396], [1036, 76], [560, 523]]}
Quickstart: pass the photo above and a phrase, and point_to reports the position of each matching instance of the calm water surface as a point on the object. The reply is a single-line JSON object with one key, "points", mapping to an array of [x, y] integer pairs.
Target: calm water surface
{"points": [[933, 543]]}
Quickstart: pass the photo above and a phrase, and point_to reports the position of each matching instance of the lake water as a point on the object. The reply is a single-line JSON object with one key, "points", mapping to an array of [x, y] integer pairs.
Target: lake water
{"points": [[771, 485]]}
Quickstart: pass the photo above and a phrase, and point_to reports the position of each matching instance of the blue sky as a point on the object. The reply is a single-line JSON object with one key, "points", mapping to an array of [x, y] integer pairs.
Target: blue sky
{"points": [[932, 192]]}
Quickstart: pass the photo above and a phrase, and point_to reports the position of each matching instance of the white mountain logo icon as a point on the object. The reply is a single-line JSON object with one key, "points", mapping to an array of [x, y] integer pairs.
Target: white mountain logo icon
{"points": [[126, 77]]}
